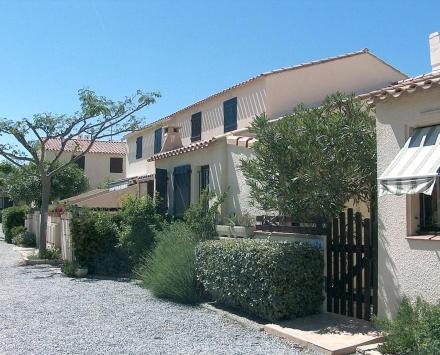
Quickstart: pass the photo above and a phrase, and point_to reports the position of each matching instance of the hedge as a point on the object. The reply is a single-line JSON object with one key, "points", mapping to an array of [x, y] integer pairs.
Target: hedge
{"points": [[270, 280], [12, 217]]}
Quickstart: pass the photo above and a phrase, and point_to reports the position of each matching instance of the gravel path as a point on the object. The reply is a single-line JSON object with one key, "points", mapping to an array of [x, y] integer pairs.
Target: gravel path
{"points": [[45, 312]]}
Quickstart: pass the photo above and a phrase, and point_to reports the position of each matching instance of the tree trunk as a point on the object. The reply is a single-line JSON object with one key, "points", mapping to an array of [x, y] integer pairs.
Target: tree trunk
{"points": [[45, 193]]}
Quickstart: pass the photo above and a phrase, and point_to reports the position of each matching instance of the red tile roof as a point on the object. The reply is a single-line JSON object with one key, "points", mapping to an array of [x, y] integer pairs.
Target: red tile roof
{"points": [[410, 85], [79, 145], [182, 150], [243, 83]]}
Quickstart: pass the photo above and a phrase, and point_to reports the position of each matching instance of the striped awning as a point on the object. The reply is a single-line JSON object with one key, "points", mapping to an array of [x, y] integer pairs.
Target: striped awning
{"points": [[416, 167]]}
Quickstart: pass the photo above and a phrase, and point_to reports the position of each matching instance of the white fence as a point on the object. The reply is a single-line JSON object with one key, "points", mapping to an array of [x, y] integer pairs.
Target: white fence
{"points": [[58, 232]]}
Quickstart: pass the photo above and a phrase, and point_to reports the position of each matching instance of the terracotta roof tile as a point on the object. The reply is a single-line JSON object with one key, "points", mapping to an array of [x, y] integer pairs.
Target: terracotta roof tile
{"points": [[189, 148], [103, 147], [410, 85]]}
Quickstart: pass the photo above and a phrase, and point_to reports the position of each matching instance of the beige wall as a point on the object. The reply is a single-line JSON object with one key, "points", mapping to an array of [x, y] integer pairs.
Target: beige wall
{"points": [[406, 267], [310, 85], [97, 166]]}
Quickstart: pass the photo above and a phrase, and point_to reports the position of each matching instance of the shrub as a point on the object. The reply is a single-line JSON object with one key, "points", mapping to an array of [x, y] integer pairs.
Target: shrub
{"points": [[95, 239], [16, 231], [51, 254], [139, 220], [169, 270], [69, 268], [415, 329], [12, 217], [24, 238], [267, 279], [201, 218]]}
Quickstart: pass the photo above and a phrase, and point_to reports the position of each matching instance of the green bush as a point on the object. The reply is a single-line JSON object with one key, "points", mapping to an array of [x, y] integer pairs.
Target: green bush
{"points": [[139, 221], [69, 268], [201, 217], [415, 329], [12, 217], [169, 270], [21, 237], [95, 239], [267, 279]]}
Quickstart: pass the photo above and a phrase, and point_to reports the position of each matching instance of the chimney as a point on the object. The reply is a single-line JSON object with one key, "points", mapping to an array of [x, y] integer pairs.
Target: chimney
{"points": [[173, 140], [434, 45]]}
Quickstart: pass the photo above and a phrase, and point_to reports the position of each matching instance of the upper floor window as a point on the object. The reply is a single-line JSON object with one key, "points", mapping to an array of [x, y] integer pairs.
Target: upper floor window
{"points": [[139, 147], [230, 115], [157, 140], [196, 127], [116, 165], [81, 162]]}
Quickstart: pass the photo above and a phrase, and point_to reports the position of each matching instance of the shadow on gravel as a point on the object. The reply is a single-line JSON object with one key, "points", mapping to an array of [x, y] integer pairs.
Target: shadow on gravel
{"points": [[97, 278]]}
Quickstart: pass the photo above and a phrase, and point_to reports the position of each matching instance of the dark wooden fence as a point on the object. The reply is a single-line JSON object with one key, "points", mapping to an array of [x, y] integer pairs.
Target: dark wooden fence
{"points": [[351, 283]]}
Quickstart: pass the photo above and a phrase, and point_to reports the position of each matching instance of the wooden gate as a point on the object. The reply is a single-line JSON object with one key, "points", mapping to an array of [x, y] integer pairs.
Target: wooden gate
{"points": [[352, 266]]}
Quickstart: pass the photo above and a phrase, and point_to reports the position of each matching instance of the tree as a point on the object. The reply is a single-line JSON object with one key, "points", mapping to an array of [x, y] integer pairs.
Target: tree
{"points": [[98, 118], [27, 188], [311, 162]]}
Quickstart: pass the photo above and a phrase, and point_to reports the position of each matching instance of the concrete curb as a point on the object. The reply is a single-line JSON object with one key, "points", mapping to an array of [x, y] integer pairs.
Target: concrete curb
{"points": [[28, 262]]}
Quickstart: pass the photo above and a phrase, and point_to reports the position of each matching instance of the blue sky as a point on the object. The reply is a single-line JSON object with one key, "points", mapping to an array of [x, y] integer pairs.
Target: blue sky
{"points": [[188, 50]]}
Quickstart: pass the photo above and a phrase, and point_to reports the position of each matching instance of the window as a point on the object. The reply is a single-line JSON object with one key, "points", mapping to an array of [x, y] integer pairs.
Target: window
{"points": [[81, 162], [230, 115], [116, 165], [430, 210], [204, 177], [157, 140], [196, 127], [139, 147]]}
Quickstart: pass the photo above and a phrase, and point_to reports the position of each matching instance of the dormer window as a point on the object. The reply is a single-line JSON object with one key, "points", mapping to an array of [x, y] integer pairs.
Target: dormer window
{"points": [[157, 140], [139, 147], [196, 127]]}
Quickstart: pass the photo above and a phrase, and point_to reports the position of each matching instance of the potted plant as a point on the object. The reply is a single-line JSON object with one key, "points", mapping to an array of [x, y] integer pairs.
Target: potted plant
{"points": [[237, 226]]}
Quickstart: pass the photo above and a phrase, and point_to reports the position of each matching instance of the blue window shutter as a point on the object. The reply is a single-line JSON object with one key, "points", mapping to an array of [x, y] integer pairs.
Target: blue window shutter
{"points": [[230, 115], [196, 127], [138, 147], [182, 190], [157, 140]]}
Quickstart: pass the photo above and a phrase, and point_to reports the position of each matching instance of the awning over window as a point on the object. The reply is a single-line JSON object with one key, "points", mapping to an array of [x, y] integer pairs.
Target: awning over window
{"points": [[416, 167]]}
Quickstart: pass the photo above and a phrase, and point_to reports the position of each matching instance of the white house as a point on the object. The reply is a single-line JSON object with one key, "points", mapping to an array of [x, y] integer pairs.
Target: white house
{"points": [[202, 144], [408, 147]]}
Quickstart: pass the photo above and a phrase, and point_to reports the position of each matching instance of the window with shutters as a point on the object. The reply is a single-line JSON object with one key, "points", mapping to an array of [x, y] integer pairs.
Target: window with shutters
{"points": [[157, 140], [204, 178], [138, 147], [196, 127], [230, 115], [81, 162], [182, 189], [116, 165]]}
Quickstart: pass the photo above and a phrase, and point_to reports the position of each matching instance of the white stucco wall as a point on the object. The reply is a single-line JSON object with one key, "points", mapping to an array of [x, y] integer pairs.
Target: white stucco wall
{"points": [[310, 85], [97, 166], [406, 267]]}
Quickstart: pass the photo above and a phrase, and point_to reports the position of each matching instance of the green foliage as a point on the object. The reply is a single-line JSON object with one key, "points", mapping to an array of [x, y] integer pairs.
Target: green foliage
{"points": [[415, 329], [69, 268], [27, 188], [169, 270], [270, 280], [12, 217], [201, 216], [140, 220], [51, 254], [21, 237], [311, 162], [95, 239], [243, 219], [25, 239]]}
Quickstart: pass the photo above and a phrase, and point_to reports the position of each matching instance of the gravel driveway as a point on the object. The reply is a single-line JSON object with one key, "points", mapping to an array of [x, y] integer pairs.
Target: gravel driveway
{"points": [[45, 312]]}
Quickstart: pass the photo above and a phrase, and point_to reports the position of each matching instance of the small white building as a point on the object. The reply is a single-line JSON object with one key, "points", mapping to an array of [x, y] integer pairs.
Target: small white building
{"points": [[202, 144], [408, 153], [104, 162]]}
